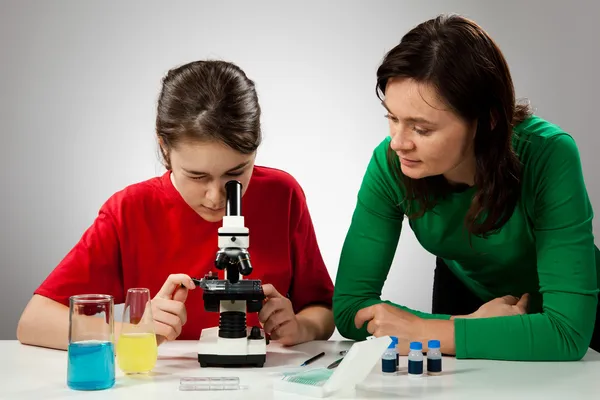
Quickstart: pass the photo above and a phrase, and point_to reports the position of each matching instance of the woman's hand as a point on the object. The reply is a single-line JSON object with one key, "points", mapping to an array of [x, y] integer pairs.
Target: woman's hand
{"points": [[278, 318], [168, 307], [384, 319], [502, 306]]}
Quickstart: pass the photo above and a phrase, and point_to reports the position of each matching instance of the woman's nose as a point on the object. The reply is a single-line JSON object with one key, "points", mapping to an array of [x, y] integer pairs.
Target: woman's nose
{"points": [[401, 142]]}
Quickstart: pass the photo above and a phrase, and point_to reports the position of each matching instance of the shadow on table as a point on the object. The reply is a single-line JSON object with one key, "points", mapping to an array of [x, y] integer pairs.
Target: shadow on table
{"points": [[455, 372], [404, 371], [180, 358]]}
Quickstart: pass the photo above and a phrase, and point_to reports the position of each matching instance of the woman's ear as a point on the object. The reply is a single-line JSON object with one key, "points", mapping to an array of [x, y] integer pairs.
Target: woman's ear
{"points": [[474, 129], [493, 119]]}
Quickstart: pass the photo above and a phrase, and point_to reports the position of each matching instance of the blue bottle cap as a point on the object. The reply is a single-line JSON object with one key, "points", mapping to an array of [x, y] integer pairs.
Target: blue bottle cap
{"points": [[394, 340], [433, 344], [416, 346]]}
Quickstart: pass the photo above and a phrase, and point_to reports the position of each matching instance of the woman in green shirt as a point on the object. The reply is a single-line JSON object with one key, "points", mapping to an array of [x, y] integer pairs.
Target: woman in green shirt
{"points": [[496, 193]]}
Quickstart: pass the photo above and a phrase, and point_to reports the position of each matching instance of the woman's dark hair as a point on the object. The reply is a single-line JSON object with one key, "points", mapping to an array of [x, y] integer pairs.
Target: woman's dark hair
{"points": [[469, 72], [208, 101]]}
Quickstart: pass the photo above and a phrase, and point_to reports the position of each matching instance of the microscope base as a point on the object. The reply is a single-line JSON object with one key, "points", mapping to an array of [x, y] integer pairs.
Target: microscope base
{"points": [[215, 351]]}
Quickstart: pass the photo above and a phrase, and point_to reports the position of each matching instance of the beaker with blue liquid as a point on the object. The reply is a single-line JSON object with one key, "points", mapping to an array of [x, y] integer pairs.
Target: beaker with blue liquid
{"points": [[91, 354]]}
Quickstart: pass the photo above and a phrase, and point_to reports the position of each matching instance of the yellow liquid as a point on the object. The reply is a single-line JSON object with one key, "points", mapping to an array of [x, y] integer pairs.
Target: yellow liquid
{"points": [[137, 352]]}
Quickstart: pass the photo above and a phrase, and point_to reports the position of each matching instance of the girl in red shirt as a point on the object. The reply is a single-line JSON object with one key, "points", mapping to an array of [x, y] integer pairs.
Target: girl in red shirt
{"points": [[161, 232]]}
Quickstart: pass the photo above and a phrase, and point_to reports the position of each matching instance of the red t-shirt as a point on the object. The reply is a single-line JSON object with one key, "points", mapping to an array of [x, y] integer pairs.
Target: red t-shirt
{"points": [[147, 231]]}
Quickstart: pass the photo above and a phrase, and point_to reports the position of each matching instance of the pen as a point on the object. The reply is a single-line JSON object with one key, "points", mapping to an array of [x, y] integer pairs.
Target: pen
{"points": [[310, 360], [335, 363]]}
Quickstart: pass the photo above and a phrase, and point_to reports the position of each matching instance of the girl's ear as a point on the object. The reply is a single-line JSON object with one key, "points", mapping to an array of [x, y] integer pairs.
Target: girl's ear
{"points": [[165, 153]]}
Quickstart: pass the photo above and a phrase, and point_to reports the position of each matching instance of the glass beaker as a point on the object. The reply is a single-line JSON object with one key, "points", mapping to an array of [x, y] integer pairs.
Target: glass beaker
{"points": [[137, 349], [91, 355]]}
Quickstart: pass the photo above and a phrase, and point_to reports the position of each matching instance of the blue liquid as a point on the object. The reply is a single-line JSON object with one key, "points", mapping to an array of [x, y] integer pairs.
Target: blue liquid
{"points": [[388, 366], [434, 365], [91, 365], [415, 367]]}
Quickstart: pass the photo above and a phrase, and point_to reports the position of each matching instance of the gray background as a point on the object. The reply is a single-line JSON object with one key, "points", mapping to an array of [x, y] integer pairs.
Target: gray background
{"points": [[79, 82]]}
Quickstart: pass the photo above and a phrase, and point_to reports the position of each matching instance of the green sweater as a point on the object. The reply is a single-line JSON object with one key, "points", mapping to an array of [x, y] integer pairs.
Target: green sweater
{"points": [[546, 249]]}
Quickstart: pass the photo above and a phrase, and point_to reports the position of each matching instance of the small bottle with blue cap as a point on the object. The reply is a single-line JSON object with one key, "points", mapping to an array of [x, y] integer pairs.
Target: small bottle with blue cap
{"points": [[415, 359], [395, 343], [389, 364], [434, 357]]}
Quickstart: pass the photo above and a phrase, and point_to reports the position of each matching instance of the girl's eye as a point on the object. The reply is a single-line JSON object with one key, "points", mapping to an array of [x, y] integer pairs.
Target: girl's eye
{"points": [[391, 118], [420, 131], [232, 174]]}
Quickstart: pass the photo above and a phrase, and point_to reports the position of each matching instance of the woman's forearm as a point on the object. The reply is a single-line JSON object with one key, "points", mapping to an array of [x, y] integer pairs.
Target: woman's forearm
{"points": [[442, 330]]}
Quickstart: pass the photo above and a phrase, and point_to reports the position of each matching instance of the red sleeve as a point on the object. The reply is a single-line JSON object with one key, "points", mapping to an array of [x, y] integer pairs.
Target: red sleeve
{"points": [[92, 265], [311, 282]]}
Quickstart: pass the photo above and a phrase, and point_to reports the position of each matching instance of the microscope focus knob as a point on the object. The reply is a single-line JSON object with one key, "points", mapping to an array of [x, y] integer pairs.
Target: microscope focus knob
{"points": [[255, 333]]}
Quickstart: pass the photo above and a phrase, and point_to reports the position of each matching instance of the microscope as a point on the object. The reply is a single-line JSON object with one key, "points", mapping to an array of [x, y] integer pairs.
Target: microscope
{"points": [[232, 343]]}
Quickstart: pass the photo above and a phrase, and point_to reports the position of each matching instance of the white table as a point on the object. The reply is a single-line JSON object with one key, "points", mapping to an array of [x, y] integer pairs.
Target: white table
{"points": [[37, 373]]}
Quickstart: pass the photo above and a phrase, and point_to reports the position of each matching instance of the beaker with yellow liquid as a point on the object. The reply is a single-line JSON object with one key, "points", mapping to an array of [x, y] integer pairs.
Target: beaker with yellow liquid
{"points": [[137, 350]]}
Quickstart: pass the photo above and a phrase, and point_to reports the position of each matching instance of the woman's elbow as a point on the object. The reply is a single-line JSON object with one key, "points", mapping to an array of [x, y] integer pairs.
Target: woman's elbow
{"points": [[344, 322], [344, 331], [573, 345], [578, 356], [569, 354], [578, 349]]}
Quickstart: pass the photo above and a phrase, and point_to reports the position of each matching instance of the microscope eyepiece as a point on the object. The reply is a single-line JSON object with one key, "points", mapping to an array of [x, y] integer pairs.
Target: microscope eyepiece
{"points": [[234, 198], [233, 237]]}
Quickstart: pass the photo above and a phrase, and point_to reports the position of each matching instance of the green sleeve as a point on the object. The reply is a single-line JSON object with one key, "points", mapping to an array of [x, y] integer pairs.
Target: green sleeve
{"points": [[369, 247], [566, 267]]}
